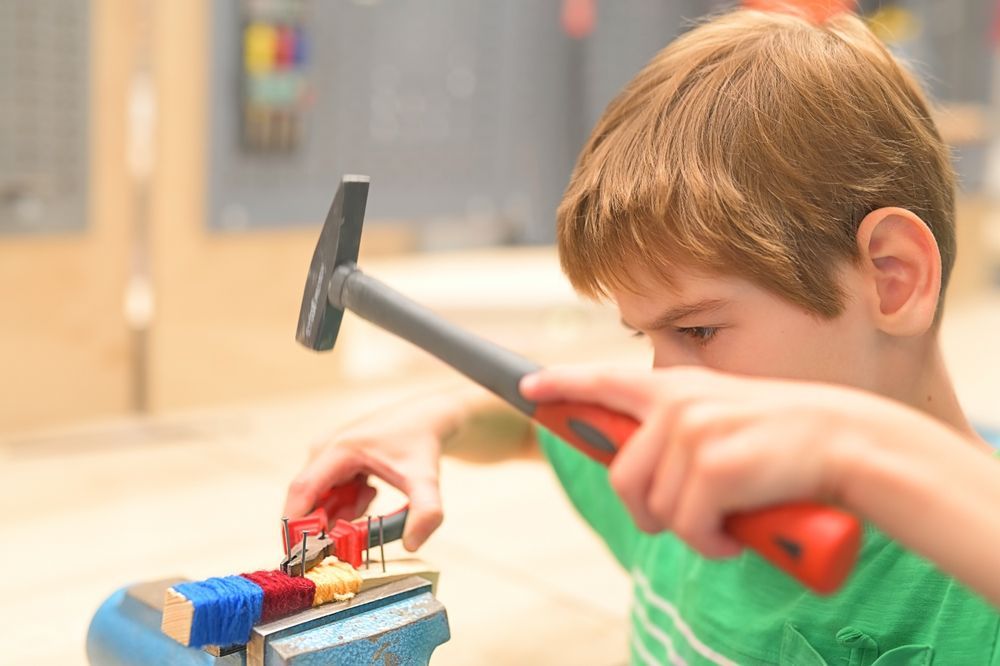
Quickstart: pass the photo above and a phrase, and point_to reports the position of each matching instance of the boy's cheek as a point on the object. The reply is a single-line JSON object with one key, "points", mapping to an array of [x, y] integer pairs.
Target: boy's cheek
{"points": [[668, 353], [728, 352], [815, 355]]}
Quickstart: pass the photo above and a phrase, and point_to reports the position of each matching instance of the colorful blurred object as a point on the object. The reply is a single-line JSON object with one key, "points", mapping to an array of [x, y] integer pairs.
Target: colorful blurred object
{"points": [[815, 10], [259, 48], [285, 52], [894, 24], [996, 25], [579, 17], [274, 85]]}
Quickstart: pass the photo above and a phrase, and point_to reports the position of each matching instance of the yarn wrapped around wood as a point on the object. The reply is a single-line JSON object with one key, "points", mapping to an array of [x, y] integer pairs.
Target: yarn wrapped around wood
{"points": [[223, 611]]}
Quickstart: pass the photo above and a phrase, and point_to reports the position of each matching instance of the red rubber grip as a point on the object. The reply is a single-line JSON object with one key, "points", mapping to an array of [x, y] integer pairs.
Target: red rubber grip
{"points": [[318, 520], [816, 544], [340, 496]]}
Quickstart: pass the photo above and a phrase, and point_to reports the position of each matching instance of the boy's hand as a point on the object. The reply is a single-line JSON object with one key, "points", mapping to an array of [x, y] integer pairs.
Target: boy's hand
{"points": [[402, 448], [712, 444]]}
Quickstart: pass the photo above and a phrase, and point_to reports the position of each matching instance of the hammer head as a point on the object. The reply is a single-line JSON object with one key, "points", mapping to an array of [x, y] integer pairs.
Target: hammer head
{"points": [[319, 320]]}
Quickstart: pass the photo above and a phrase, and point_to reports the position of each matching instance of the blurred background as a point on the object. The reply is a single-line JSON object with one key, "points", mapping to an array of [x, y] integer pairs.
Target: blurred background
{"points": [[164, 168]]}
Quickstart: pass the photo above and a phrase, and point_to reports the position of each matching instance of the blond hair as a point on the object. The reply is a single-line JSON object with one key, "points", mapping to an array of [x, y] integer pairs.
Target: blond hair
{"points": [[754, 145]]}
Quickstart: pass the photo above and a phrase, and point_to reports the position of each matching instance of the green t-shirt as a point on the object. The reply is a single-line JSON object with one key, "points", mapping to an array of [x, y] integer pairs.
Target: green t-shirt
{"points": [[896, 609]]}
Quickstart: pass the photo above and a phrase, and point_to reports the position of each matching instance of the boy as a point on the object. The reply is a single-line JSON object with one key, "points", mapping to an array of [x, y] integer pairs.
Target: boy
{"points": [[767, 197]]}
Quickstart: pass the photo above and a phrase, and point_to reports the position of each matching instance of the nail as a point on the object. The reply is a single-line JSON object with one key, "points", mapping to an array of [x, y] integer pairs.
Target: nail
{"points": [[368, 545], [305, 535], [381, 542]]}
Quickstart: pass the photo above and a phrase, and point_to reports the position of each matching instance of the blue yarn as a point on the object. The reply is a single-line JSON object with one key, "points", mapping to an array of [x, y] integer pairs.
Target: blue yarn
{"points": [[225, 610]]}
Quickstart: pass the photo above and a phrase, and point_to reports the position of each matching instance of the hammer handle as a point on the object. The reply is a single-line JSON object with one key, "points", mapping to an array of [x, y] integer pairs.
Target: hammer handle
{"points": [[815, 544], [489, 365]]}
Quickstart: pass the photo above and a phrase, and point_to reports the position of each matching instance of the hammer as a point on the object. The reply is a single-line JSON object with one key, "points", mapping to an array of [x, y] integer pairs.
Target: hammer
{"points": [[815, 544]]}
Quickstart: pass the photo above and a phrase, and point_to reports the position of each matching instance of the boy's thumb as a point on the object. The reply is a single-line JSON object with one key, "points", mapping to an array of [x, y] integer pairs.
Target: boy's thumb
{"points": [[426, 514]]}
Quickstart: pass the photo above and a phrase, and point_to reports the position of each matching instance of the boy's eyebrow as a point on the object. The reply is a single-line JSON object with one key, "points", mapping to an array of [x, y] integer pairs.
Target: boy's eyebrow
{"points": [[679, 312]]}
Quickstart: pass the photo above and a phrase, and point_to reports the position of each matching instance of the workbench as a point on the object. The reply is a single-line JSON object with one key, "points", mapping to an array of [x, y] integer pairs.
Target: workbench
{"points": [[399, 623], [199, 494]]}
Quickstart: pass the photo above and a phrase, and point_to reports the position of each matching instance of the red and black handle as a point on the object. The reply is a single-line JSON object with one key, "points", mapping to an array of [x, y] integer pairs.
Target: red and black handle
{"points": [[816, 544], [348, 538]]}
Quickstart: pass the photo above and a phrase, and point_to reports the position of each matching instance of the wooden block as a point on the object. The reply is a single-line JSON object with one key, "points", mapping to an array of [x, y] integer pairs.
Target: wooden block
{"points": [[397, 570], [178, 614]]}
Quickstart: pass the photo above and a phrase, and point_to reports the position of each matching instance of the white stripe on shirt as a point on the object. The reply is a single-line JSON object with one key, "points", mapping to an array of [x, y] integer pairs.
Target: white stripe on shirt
{"points": [[647, 594]]}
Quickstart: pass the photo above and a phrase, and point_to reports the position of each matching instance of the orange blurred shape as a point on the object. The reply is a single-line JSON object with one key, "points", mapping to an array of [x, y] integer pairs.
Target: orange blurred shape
{"points": [[578, 17], [817, 11]]}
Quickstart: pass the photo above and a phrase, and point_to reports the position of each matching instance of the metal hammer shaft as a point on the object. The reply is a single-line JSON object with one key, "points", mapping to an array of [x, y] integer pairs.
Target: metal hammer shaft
{"points": [[487, 364]]}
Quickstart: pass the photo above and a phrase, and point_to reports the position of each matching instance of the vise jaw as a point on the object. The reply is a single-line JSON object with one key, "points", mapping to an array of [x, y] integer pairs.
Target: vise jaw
{"points": [[397, 623]]}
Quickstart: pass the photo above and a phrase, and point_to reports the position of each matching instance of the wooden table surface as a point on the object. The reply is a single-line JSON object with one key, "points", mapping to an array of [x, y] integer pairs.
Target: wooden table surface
{"points": [[90, 509]]}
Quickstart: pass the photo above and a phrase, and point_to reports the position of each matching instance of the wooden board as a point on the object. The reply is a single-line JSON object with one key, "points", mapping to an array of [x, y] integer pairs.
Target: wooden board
{"points": [[397, 570], [178, 614]]}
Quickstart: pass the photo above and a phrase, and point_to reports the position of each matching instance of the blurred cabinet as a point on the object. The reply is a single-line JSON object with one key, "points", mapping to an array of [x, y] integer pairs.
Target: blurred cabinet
{"points": [[44, 97], [64, 211]]}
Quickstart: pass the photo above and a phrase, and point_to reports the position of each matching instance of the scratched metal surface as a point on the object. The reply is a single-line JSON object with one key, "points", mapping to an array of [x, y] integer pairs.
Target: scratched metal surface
{"points": [[395, 629]]}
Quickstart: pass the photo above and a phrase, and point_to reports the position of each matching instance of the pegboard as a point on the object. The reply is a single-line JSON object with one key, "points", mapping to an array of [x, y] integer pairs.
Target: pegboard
{"points": [[461, 110], [44, 93], [456, 108]]}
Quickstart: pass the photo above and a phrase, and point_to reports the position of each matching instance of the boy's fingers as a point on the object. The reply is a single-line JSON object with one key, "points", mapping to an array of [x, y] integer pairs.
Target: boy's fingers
{"points": [[628, 392], [349, 512], [666, 483], [333, 466], [426, 514], [738, 473], [698, 522], [631, 473], [695, 425]]}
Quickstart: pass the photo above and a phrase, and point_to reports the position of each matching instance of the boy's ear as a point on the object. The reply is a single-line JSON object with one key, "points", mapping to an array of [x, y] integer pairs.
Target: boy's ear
{"points": [[900, 256]]}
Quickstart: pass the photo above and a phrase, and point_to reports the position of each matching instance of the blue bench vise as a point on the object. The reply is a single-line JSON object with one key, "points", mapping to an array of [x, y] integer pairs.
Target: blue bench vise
{"points": [[398, 623]]}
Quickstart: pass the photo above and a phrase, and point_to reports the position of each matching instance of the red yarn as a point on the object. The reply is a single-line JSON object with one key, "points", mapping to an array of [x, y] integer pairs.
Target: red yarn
{"points": [[283, 594]]}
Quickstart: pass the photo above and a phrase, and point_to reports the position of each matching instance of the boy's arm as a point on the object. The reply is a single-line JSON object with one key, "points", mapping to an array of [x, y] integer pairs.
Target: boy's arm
{"points": [[712, 444], [923, 484], [402, 446]]}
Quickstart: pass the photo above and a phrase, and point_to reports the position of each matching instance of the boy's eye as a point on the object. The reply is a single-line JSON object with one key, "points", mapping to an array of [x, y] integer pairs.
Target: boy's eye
{"points": [[700, 334]]}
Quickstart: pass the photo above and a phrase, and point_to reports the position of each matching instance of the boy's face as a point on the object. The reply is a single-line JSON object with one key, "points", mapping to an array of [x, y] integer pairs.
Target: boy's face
{"points": [[730, 324]]}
